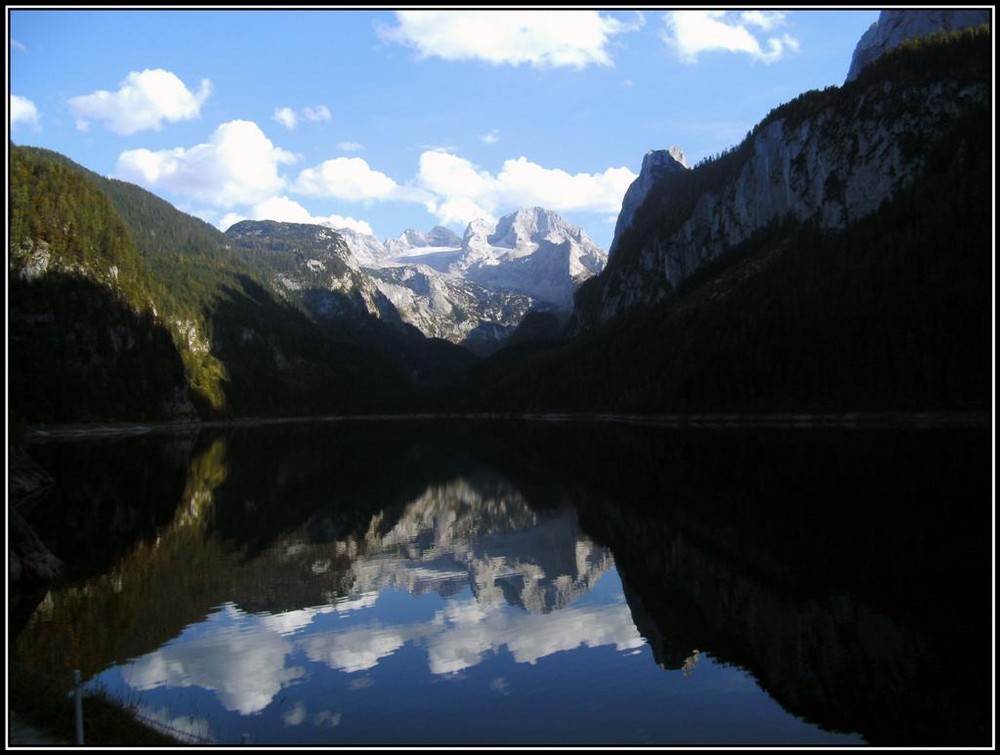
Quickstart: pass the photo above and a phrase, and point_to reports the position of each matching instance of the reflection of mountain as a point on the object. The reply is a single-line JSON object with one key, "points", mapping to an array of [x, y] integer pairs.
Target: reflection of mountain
{"points": [[310, 535], [827, 576], [817, 560], [830, 658], [481, 533]]}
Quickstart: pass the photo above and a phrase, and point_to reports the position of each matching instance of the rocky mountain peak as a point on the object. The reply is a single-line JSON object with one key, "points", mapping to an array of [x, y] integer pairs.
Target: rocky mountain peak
{"points": [[526, 226], [437, 236], [656, 164], [894, 27]]}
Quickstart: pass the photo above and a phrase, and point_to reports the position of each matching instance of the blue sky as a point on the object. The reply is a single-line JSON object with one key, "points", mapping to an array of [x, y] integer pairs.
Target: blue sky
{"points": [[384, 121]]}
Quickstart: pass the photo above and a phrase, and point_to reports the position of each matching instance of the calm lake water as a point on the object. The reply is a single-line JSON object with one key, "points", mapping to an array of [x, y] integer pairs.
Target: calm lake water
{"points": [[422, 583]]}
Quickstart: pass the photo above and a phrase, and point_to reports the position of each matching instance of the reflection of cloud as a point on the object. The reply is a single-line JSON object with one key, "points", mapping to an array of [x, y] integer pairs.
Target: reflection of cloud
{"points": [[244, 664], [326, 718], [295, 716], [290, 622], [358, 649], [460, 644], [592, 626], [185, 728], [363, 683], [459, 635]]}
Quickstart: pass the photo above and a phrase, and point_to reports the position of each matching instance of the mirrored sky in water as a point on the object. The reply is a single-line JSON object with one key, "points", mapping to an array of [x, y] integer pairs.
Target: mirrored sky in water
{"points": [[421, 584], [471, 595]]}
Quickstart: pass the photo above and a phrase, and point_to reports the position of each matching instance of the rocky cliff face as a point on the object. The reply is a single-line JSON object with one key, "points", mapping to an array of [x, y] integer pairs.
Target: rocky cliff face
{"points": [[532, 251], [829, 157], [475, 290], [450, 307], [656, 164], [896, 26]]}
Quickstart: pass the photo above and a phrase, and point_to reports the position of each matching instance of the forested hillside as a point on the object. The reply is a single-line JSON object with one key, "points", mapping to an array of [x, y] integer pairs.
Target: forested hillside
{"points": [[122, 307]]}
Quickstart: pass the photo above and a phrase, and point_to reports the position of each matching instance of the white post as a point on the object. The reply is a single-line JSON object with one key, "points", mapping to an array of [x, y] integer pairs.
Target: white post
{"points": [[78, 705]]}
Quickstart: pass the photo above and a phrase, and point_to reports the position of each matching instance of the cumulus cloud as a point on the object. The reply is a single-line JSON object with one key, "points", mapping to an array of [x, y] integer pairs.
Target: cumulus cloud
{"points": [[346, 178], [143, 101], [543, 39], [285, 210], [289, 118], [457, 191], [238, 165], [286, 117], [691, 32], [350, 146], [23, 111], [491, 137]]}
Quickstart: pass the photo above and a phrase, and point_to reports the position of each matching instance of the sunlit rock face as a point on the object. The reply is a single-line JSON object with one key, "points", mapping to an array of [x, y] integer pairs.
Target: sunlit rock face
{"points": [[894, 27], [656, 164], [532, 251], [478, 288], [831, 158]]}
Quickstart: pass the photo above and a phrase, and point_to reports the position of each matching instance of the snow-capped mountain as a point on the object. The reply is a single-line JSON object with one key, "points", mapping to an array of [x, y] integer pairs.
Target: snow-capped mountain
{"points": [[532, 251], [447, 306], [480, 286], [438, 238]]}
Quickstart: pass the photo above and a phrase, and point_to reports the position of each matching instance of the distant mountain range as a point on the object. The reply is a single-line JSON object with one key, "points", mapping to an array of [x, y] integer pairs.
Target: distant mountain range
{"points": [[839, 256]]}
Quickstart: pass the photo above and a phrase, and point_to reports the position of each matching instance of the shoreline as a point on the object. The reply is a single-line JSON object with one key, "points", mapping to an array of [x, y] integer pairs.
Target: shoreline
{"points": [[890, 419]]}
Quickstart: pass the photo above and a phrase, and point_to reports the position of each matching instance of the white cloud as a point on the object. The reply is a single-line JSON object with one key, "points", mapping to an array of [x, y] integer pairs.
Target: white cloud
{"points": [[286, 117], [228, 220], [766, 20], [350, 146], [18, 45], [345, 178], [539, 38], [23, 111], [691, 32], [143, 101], [285, 210], [491, 137], [458, 192], [318, 113], [289, 118], [238, 165]]}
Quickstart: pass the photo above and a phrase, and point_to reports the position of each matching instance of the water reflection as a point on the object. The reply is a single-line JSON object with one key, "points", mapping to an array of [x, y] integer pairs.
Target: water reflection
{"points": [[429, 584]]}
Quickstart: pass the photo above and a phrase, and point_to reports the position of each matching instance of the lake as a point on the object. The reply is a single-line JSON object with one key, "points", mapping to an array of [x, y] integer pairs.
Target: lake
{"points": [[527, 582]]}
